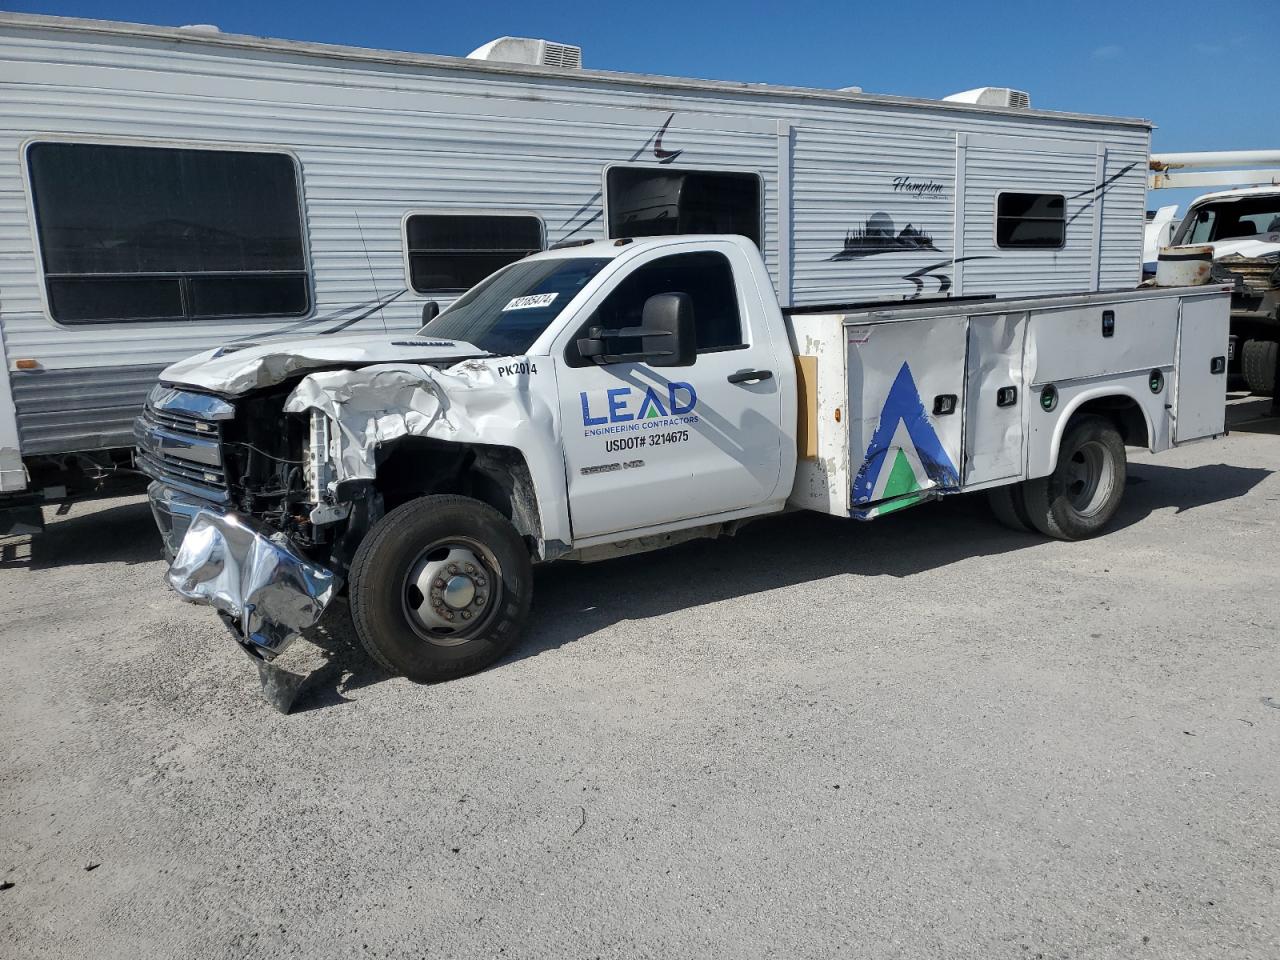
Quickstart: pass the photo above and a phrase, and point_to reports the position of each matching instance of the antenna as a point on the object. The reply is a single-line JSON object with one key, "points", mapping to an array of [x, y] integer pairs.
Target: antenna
{"points": [[372, 278]]}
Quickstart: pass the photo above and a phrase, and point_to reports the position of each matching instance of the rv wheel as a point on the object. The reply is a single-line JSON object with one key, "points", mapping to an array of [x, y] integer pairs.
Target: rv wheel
{"points": [[1082, 494], [440, 588]]}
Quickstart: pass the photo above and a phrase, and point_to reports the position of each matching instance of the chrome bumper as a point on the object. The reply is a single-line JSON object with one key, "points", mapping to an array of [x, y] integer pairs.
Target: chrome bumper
{"points": [[173, 511], [262, 586]]}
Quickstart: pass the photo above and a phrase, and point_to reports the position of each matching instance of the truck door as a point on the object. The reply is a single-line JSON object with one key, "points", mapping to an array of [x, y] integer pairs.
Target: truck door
{"points": [[645, 446]]}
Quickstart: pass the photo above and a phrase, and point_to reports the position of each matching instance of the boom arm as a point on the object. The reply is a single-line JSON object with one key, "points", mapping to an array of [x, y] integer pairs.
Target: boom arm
{"points": [[1220, 168]]}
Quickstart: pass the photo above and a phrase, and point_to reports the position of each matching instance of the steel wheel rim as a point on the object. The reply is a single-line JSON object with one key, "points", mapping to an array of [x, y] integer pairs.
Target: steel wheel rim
{"points": [[1091, 477], [451, 591]]}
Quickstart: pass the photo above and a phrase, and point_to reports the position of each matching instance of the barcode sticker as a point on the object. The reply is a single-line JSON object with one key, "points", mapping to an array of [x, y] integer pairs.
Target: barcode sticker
{"points": [[530, 302]]}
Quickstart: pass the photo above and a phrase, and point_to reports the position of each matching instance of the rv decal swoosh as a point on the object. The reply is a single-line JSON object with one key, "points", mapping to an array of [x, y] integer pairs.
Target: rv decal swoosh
{"points": [[661, 155], [917, 277]]}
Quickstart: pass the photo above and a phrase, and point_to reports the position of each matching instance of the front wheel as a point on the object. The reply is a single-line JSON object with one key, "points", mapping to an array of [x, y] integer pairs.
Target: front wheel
{"points": [[440, 587], [1082, 494]]}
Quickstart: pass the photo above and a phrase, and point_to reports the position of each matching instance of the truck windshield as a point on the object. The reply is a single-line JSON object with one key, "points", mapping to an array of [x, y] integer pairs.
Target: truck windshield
{"points": [[1232, 220], [506, 312]]}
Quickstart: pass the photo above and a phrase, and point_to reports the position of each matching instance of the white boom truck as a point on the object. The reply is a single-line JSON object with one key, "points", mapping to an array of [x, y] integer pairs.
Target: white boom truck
{"points": [[624, 395], [1242, 228]]}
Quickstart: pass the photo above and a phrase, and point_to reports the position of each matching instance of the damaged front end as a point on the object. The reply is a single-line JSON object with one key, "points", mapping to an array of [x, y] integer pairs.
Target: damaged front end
{"points": [[239, 497], [263, 497]]}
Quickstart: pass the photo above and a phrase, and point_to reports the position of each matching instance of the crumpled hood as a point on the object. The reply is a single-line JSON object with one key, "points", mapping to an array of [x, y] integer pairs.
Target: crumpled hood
{"points": [[234, 369]]}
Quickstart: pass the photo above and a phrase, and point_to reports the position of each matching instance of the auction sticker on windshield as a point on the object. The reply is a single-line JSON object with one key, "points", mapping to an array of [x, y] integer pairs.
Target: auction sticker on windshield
{"points": [[530, 302]]}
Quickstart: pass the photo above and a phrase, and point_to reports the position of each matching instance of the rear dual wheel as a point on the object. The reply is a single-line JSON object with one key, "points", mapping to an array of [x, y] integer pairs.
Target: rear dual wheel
{"points": [[440, 587], [1258, 364], [1082, 494]]}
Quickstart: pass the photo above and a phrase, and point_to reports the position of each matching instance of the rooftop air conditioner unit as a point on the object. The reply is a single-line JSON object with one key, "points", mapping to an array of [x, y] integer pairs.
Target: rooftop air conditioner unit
{"points": [[993, 97], [544, 53]]}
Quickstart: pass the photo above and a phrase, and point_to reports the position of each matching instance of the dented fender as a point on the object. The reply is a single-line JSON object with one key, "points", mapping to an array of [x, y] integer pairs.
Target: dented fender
{"points": [[492, 402]]}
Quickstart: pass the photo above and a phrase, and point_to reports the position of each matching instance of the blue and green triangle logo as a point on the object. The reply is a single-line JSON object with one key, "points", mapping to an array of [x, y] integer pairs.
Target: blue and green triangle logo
{"points": [[905, 455], [651, 408]]}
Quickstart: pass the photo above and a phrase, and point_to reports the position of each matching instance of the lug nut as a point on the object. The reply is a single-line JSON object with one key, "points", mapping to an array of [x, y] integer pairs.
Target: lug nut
{"points": [[453, 568], [479, 581], [480, 598], [439, 582], [466, 615], [470, 568], [448, 615]]}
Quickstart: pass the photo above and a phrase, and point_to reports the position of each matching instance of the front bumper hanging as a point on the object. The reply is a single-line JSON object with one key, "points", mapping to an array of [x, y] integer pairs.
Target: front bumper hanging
{"points": [[262, 586]]}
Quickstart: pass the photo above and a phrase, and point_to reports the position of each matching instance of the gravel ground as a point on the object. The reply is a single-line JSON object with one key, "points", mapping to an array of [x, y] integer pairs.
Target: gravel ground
{"points": [[922, 737]]}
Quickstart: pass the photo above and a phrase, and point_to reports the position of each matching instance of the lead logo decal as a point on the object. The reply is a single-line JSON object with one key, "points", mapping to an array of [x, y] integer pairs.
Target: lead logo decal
{"points": [[627, 409]]}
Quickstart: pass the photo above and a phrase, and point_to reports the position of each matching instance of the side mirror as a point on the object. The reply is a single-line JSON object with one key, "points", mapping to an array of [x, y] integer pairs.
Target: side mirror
{"points": [[430, 310], [668, 333]]}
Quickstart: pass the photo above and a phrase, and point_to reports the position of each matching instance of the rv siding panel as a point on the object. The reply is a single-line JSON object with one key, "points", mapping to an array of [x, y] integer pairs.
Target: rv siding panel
{"points": [[375, 140], [845, 182], [63, 410]]}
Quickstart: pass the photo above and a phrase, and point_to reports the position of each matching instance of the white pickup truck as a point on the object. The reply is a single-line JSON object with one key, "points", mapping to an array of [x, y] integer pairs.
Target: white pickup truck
{"points": [[624, 395]]}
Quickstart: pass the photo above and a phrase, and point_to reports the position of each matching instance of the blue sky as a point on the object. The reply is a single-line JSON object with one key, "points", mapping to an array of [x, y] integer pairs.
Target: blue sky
{"points": [[1206, 72]]}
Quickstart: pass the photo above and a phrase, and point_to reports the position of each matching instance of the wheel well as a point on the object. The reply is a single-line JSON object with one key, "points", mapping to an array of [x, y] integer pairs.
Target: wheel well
{"points": [[499, 476], [1124, 412]]}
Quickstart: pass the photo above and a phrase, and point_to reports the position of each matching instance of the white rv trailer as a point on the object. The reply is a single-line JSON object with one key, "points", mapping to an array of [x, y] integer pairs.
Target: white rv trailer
{"points": [[164, 191]]}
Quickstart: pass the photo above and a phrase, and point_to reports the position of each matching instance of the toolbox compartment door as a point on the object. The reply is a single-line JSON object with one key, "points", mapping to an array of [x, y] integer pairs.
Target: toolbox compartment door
{"points": [[1103, 339], [906, 396], [1200, 378], [995, 398]]}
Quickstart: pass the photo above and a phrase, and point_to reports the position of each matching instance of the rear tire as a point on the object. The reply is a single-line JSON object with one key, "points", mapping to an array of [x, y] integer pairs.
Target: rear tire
{"points": [[440, 587], [1258, 366], [1006, 503], [1082, 494]]}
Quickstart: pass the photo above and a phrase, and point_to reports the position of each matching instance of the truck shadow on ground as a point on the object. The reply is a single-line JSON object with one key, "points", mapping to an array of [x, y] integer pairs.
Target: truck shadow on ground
{"points": [[575, 600], [122, 533], [783, 551]]}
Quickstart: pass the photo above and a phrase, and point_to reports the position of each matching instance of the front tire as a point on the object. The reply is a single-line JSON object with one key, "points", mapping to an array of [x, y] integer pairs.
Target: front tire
{"points": [[1082, 494], [440, 587]]}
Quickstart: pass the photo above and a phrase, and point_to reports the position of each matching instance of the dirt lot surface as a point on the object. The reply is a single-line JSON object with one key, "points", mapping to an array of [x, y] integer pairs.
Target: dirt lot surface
{"points": [[926, 737]]}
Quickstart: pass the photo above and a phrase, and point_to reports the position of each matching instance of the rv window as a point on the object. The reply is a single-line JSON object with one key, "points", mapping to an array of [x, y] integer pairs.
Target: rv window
{"points": [[159, 233], [457, 251], [708, 280], [652, 203], [1031, 221]]}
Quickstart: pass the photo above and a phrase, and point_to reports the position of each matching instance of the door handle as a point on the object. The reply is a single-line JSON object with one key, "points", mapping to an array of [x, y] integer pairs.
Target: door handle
{"points": [[750, 376]]}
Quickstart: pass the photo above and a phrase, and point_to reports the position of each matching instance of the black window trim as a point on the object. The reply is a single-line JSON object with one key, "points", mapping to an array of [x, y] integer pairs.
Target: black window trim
{"points": [[450, 293], [602, 293], [682, 168], [308, 268], [995, 218]]}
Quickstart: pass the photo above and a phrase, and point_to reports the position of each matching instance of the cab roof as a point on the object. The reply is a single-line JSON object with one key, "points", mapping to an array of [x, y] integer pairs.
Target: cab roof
{"points": [[1238, 194]]}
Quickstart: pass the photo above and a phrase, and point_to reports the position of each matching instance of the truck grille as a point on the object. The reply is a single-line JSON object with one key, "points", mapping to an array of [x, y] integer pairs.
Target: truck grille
{"points": [[179, 438]]}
